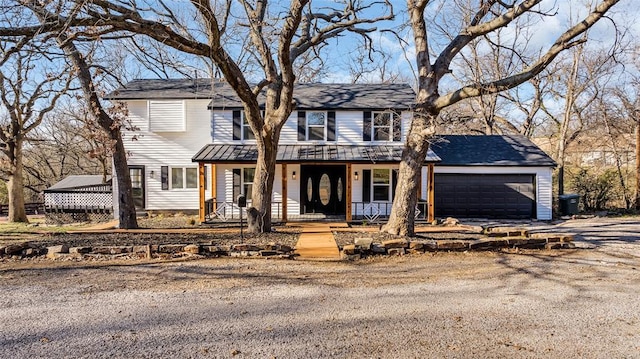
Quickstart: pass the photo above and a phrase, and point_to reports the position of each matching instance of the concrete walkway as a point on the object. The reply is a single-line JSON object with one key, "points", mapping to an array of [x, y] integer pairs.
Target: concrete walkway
{"points": [[316, 241]]}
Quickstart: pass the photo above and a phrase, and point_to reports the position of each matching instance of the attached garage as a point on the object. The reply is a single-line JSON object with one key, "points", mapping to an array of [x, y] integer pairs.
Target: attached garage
{"points": [[492, 177], [485, 195]]}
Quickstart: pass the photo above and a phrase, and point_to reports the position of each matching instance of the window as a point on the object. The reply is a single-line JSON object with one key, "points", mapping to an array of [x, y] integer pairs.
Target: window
{"points": [[247, 134], [184, 177], [381, 184], [316, 125], [243, 182], [247, 181], [382, 126]]}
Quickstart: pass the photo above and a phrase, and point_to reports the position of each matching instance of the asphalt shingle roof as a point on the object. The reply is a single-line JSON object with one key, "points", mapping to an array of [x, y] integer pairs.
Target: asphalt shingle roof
{"points": [[307, 96], [490, 150]]}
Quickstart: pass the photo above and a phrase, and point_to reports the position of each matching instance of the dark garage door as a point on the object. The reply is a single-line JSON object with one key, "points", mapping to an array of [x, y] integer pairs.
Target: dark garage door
{"points": [[484, 196]]}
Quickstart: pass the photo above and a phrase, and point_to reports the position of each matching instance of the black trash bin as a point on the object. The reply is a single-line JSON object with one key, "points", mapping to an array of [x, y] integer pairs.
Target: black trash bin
{"points": [[569, 204]]}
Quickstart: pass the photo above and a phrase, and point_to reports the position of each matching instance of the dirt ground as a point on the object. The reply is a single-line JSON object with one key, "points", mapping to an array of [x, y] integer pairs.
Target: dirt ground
{"points": [[529, 304]]}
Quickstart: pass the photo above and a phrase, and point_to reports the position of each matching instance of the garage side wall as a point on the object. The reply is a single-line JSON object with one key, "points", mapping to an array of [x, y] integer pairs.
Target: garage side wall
{"points": [[543, 182]]}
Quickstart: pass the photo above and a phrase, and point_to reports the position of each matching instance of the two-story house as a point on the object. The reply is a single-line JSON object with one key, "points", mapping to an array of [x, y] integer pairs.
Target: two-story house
{"points": [[338, 156]]}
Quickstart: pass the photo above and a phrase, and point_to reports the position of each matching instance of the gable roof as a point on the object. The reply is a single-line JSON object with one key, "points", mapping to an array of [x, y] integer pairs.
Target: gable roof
{"points": [[307, 95], [490, 150]]}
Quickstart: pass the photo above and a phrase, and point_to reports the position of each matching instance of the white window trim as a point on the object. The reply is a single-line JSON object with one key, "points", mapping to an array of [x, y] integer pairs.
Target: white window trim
{"points": [[373, 185], [243, 126], [184, 179], [390, 127], [326, 120]]}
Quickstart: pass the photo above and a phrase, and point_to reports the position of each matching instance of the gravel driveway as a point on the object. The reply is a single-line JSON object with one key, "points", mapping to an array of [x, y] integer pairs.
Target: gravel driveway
{"points": [[582, 303]]}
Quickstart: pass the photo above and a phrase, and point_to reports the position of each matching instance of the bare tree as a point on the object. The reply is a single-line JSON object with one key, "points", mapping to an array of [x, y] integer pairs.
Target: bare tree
{"points": [[629, 110], [111, 120], [28, 91], [68, 142], [279, 39], [486, 17]]}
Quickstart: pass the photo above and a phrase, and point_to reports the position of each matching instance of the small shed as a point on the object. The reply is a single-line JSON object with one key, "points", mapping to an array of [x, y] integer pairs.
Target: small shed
{"points": [[79, 198]]}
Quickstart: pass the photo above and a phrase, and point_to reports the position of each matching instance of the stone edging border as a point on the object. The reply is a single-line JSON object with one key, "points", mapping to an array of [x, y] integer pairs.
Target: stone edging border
{"points": [[497, 238]]}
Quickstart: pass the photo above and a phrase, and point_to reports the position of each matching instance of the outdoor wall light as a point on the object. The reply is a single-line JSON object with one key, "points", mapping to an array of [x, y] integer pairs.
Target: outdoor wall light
{"points": [[152, 174], [293, 175], [356, 176]]}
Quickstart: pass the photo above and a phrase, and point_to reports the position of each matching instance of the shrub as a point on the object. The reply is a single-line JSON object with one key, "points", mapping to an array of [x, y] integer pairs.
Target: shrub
{"points": [[595, 190]]}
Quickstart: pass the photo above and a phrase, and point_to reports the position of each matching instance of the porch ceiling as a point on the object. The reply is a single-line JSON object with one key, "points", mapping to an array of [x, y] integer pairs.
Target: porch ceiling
{"points": [[214, 153]]}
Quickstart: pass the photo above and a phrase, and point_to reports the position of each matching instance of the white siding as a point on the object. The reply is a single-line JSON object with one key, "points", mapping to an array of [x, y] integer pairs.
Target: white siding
{"points": [[289, 133], [167, 116], [225, 187], [348, 129], [384, 207], [542, 181], [173, 149], [544, 194], [424, 190], [407, 116], [222, 127], [293, 190]]}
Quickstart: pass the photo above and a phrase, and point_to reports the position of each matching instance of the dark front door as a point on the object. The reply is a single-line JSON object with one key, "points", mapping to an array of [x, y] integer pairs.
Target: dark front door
{"points": [[323, 189], [137, 185]]}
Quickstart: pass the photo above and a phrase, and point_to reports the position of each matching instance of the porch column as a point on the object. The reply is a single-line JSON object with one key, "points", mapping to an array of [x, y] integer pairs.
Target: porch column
{"points": [[284, 192], [201, 190], [348, 197], [431, 214]]}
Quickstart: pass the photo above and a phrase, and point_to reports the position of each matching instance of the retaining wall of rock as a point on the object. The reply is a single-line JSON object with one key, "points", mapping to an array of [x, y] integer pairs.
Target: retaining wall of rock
{"points": [[162, 251], [496, 239]]}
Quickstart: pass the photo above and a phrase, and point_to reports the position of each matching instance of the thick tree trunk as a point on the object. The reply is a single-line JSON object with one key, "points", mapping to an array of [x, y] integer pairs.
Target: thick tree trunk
{"points": [[15, 186], [127, 208], [402, 219], [259, 216], [638, 165]]}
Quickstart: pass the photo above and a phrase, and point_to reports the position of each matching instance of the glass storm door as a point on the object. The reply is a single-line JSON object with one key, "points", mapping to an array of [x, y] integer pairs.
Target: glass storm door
{"points": [[323, 189]]}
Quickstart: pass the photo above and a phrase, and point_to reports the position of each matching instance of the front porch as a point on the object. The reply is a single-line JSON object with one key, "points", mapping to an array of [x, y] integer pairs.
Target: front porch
{"points": [[351, 183]]}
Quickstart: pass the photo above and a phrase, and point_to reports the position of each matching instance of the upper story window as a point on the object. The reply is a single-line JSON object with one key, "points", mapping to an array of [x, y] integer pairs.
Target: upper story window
{"points": [[316, 126], [241, 128], [381, 126], [247, 133]]}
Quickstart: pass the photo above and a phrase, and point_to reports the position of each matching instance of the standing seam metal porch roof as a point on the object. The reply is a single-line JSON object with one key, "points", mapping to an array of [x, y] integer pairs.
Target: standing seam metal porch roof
{"points": [[448, 150], [308, 153]]}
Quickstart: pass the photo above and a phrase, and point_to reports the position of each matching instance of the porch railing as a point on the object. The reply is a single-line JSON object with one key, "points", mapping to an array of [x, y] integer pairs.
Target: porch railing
{"points": [[227, 211], [373, 212], [378, 212]]}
